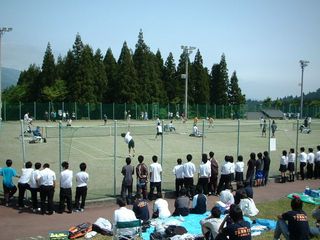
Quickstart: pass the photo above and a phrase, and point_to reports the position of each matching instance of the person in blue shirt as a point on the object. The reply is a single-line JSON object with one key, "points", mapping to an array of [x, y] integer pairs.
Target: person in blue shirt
{"points": [[9, 189]]}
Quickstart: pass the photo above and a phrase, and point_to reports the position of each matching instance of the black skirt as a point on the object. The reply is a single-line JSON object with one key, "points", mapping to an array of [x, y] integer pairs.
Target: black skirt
{"points": [[291, 166], [283, 168]]}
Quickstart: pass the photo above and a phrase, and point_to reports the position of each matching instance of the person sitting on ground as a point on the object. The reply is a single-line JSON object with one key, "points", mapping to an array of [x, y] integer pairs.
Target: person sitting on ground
{"points": [[124, 214], [293, 224], [315, 231], [160, 208], [199, 202], [37, 132], [140, 208], [241, 189], [227, 197], [237, 229], [195, 131], [210, 225], [182, 204], [248, 206], [171, 127]]}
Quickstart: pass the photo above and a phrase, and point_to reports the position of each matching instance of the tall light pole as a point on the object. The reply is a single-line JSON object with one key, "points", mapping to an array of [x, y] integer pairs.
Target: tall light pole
{"points": [[188, 51], [303, 64], [2, 31]]}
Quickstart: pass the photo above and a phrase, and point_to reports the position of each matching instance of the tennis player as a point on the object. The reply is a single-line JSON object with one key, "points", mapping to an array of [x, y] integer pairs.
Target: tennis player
{"points": [[129, 140]]}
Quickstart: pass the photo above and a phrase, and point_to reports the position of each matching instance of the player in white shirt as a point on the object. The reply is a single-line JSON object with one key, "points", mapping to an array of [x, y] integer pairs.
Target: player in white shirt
{"points": [[159, 130], [204, 174], [239, 167], [291, 162], [303, 162], [66, 177], [82, 179], [161, 208], [224, 181], [155, 171], [283, 166], [310, 163], [47, 180], [23, 183], [178, 172], [317, 163], [35, 187], [189, 169], [129, 140]]}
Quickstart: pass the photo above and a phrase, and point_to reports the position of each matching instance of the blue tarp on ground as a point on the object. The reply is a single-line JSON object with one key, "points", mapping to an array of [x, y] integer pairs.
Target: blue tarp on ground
{"points": [[192, 224]]}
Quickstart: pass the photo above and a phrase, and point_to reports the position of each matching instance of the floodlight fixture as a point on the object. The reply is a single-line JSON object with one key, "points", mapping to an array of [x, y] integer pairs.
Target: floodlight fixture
{"points": [[303, 64]]}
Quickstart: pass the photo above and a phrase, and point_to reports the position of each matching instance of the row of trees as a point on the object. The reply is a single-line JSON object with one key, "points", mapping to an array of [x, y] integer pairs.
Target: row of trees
{"points": [[136, 77]]}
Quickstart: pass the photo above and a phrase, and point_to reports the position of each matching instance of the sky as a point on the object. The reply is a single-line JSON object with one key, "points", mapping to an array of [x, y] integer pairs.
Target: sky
{"points": [[263, 40]]}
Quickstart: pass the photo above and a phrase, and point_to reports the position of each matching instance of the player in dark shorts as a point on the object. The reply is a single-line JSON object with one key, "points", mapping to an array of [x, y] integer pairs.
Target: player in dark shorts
{"points": [[129, 140]]}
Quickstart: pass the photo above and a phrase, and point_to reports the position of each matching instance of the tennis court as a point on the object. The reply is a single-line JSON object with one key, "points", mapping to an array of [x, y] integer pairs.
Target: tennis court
{"points": [[104, 150]]}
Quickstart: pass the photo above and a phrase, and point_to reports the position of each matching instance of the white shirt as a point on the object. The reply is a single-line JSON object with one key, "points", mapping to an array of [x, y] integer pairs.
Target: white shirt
{"points": [[232, 168], [66, 178], [159, 129], [47, 177], [155, 172], [178, 171], [189, 169], [239, 166], [124, 214], [226, 197], [226, 168], [26, 117], [161, 205], [213, 224], [284, 160], [317, 158], [204, 170], [25, 175], [127, 137], [292, 157], [248, 207], [195, 130], [82, 179], [33, 179], [310, 158], [303, 157]]}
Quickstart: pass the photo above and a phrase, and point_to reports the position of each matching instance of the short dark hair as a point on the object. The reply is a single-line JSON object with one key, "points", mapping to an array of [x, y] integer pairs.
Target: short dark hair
{"points": [[215, 212], [284, 152], [265, 153], [189, 157], [183, 191], [28, 164], [252, 155], [46, 165], [204, 158], [259, 155], [179, 160], [318, 147], [236, 213], [296, 204], [9, 162], [310, 149], [302, 149], [140, 158], [154, 158], [240, 158], [65, 165], [231, 159], [128, 160], [83, 166], [292, 150], [199, 189], [123, 134], [211, 154], [120, 202], [37, 165]]}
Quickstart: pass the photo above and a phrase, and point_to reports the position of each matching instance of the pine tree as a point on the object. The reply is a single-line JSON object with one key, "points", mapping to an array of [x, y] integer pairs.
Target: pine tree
{"points": [[126, 85], [235, 95], [111, 67], [170, 79], [29, 80], [100, 77], [199, 81]]}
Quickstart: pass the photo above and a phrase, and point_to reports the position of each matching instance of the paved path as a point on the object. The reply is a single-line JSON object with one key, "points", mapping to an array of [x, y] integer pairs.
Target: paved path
{"points": [[15, 224]]}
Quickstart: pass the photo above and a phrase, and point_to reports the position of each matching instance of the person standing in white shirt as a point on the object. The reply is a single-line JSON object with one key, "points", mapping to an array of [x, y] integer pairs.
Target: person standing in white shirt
{"points": [[66, 177], [239, 167], [155, 177], [283, 166], [23, 183], [159, 130], [178, 172], [189, 169], [35, 187], [291, 162], [310, 163], [82, 179], [204, 174], [123, 214], [224, 181], [317, 164], [303, 162], [47, 179], [129, 140]]}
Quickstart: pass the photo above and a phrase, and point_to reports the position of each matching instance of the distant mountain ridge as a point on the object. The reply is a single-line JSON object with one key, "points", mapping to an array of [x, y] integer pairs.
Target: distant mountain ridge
{"points": [[9, 77]]}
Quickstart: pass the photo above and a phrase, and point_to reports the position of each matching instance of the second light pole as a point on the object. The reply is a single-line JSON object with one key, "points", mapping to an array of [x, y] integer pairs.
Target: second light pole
{"points": [[188, 50]]}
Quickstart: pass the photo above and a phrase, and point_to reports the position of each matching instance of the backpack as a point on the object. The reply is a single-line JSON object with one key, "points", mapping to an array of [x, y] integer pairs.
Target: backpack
{"points": [[173, 230], [103, 226], [80, 230]]}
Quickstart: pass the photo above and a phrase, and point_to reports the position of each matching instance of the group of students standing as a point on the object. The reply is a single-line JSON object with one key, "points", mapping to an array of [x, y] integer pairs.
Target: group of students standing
{"points": [[308, 160], [44, 181]]}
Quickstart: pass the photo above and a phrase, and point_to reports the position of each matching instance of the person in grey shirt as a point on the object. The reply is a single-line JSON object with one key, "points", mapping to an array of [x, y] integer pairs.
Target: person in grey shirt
{"points": [[182, 204]]}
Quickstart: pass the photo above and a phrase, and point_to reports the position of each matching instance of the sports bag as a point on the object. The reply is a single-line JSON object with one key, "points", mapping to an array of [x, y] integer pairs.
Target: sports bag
{"points": [[80, 230]]}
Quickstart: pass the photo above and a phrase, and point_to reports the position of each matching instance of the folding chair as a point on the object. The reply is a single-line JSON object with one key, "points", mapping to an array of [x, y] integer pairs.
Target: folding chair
{"points": [[135, 226]]}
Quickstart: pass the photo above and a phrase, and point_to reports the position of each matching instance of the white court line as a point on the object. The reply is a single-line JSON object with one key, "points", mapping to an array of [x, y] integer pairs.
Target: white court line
{"points": [[88, 145], [81, 151]]}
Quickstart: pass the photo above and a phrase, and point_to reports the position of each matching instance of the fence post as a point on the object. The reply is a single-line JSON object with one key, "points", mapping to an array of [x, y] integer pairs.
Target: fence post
{"points": [[168, 111], [22, 143], [49, 111], [60, 144], [62, 107], [215, 111], [75, 110], [202, 138], [5, 111], [238, 140], [297, 144], [269, 136], [89, 111], [113, 111], [19, 110], [100, 110], [115, 158]]}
